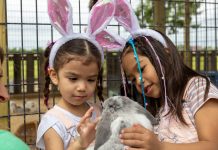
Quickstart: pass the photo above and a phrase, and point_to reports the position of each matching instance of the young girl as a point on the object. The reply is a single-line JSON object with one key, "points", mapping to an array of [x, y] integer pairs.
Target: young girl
{"points": [[75, 67], [184, 101], [76, 72], [189, 119]]}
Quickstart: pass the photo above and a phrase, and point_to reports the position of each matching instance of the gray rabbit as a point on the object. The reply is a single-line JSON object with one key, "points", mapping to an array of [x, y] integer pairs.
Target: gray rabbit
{"points": [[119, 112]]}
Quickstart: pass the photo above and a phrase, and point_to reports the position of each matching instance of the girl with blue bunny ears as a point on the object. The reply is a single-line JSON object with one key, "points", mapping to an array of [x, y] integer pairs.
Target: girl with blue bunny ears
{"points": [[184, 101], [74, 65]]}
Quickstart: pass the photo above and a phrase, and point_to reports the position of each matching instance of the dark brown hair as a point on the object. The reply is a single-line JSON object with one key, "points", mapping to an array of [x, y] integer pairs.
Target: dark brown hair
{"points": [[92, 3], [75, 47], [177, 74]]}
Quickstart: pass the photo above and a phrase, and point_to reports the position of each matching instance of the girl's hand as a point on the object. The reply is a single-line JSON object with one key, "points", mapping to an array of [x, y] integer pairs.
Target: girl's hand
{"points": [[86, 129], [139, 138]]}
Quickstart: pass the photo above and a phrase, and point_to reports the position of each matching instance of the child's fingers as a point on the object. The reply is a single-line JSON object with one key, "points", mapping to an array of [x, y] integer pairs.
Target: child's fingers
{"points": [[87, 115], [89, 112], [84, 119], [88, 124], [135, 129]]}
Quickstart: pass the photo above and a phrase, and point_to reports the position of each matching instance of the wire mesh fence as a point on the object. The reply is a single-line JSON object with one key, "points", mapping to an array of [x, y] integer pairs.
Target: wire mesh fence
{"points": [[25, 32]]}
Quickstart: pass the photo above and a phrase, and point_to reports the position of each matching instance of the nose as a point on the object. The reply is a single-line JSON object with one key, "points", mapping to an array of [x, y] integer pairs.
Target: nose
{"points": [[82, 85], [4, 96], [138, 82]]}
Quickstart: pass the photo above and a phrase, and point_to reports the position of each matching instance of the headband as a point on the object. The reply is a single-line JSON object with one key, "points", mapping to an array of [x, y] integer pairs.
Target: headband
{"points": [[126, 17], [130, 22], [60, 14]]}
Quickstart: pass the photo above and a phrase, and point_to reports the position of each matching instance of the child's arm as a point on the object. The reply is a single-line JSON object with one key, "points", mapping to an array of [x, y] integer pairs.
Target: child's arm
{"points": [[86, 129], [207, 128], [52, 140]]}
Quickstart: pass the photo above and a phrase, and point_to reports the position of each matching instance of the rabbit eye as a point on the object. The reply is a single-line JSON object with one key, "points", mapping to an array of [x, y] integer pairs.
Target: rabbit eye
{"points": [[110, 106]]}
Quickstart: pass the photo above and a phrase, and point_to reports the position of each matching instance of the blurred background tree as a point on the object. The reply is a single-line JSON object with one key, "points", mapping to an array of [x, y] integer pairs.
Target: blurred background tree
{"points": [[177, 14]]}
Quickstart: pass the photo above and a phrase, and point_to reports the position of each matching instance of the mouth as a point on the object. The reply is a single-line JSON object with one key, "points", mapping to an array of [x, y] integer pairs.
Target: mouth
{"points": [[80, 97], [148, 89]]}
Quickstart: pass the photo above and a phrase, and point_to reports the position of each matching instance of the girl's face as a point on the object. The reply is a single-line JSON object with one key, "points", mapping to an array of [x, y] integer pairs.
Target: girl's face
{"points": [[4, 96], [149, 75], [76, 80]]}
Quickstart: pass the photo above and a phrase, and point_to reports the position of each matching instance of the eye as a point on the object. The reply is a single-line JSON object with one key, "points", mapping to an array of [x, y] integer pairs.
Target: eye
{"points": [[133, 80], [72, 78], [92, 80], [142, 68]]}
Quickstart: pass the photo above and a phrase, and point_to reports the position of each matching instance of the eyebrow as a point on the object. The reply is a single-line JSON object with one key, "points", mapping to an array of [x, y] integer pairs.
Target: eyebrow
{"points": [[74, 74], [136, 64]]}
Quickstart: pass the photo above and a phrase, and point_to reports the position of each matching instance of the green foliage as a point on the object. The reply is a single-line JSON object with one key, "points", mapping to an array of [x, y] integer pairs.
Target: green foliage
{"points": [[146, 11], [175, 14], [20, 50]]}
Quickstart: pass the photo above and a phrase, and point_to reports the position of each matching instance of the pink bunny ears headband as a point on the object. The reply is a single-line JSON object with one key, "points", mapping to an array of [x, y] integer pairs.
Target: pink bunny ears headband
{"points": [[125, 16], [60, 14], [123, 13]]}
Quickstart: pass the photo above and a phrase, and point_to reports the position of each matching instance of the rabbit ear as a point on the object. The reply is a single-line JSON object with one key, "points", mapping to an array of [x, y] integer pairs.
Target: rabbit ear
{"points": [[110, 41], [125, 15], [60, 14], [100, 16]]}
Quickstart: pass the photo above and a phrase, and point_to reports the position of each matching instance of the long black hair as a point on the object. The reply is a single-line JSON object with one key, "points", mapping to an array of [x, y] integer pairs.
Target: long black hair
{"points": [[177, 74]]}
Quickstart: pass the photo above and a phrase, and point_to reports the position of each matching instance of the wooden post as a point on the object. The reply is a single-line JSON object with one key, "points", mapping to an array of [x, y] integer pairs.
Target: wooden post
{"points": [[159, 15], [17, 73], [187, 32], [187, 25], [113, 73], [30, 73], [197, 60], [41, 62], [3, 106], [212, 60]]}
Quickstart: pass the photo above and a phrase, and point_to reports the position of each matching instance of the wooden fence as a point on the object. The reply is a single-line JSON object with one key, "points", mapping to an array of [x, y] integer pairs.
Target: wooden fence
{"points": [[28, 70], [25, 72]]}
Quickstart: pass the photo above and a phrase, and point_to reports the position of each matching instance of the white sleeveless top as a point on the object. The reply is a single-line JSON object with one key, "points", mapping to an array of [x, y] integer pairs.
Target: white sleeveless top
{"points": [[63, 122]]}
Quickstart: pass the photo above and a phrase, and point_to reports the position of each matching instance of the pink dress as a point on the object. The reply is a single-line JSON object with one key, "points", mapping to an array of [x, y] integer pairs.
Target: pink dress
{"points": [[170, 129]]}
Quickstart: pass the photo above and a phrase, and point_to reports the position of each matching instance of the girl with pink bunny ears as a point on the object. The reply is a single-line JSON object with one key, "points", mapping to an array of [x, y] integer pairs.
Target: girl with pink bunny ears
{"points": [[184, 101], [74, 65]]}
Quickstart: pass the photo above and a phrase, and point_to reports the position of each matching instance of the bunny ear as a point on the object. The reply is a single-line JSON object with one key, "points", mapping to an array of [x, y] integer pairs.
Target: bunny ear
{"points": [[60, 13], [110, 41], [100, 16], [125, 15]]}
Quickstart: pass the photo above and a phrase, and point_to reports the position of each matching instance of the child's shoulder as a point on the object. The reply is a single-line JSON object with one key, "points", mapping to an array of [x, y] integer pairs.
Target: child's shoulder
{"points": [[59, 116], [198, 84], [194, 84], [196, 81], [195, 94], [49, 118]]}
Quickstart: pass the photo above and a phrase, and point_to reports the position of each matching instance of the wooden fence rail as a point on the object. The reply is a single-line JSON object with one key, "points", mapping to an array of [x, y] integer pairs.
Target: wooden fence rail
{"points": [[28, 70], [28, 73]]}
